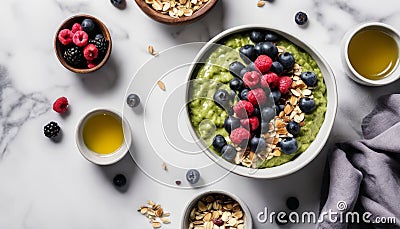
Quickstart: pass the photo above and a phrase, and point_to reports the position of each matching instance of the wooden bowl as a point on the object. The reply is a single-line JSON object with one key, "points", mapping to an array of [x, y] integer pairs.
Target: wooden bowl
{"points": [[166, 19], [67, 24]]}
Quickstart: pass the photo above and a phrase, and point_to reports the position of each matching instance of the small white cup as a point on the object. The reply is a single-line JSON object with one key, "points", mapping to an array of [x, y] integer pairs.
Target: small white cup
{"points": [[103, 159], [352, 73]]}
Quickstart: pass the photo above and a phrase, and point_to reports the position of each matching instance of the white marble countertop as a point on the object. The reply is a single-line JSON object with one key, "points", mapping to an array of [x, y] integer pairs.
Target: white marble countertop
{"points": [[50, 185]]}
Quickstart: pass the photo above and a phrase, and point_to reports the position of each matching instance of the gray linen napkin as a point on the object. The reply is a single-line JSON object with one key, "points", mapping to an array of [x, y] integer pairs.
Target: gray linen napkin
{"points": [[364, 176]]}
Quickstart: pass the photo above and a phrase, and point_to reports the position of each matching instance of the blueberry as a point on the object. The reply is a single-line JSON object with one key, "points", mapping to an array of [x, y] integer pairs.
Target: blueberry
{"points": [[276, 95], [271, 36], [232, 96], [307, 105], [257, 36], [229, 152], [288, 145], [88, 25], [133, 100], [267, 114], [236, 84], [221, 98], [235, 68], [266, 48], [117, 3], [293, 128], [257, 144], [281, 107], [251, 67], [119, 180], [286, 59], [230, 110], [242, 72], [264, 126], [231, 123], [192, 176], [257, 112], [301, 18], [243, 94], [218, 142], [276, 67], [247, 53], [99, 36], [292, 203], [309, 78]]}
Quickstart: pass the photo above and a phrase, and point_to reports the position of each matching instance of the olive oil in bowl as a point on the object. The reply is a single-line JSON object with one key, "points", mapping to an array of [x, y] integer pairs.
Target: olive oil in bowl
{"points": [[103, 133], [373, 53]]}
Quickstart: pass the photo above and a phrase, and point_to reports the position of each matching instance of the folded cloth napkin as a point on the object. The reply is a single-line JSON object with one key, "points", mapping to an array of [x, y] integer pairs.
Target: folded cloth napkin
{"points": [[363, 177]]}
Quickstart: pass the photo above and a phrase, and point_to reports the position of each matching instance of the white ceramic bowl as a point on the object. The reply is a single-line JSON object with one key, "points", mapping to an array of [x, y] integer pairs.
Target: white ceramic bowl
{"points": [[248, 222], [315, 147], [351, 72], [103, 159]]}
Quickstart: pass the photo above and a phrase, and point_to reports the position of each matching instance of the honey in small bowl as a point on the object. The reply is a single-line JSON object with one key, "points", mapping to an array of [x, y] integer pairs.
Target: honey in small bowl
{"points": [[373, 53], [103, 133]]}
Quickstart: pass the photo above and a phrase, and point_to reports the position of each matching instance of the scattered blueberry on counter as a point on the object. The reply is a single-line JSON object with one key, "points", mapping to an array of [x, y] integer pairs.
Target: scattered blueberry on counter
{"points": [[301, 18], [119, 180], [292, 203], [193, 176], [133, 100]]}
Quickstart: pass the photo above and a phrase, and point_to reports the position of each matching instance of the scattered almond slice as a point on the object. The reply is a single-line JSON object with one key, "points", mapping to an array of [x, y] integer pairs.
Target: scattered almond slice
{"points": [[261, 3], [161, 85], [153, 212]]}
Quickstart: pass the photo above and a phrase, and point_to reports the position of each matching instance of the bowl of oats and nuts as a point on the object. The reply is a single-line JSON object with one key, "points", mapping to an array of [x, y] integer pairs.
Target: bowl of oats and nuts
{"points": [[176, 12], [261, 99], [216, 209]]}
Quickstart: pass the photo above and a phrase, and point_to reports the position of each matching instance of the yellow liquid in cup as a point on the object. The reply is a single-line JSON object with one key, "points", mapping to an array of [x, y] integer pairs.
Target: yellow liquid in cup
{"points": [[373, 54], [103, 133]]}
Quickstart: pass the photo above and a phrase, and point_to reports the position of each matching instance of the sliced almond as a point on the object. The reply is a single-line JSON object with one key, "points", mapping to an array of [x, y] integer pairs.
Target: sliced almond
{"points": [[207, 217], [161, 85], [201, 206], [260, 3], [156, 224]]}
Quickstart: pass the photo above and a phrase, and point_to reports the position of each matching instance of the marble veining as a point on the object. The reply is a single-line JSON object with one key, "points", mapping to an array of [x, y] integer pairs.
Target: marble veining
{"points": [[16, 109]]}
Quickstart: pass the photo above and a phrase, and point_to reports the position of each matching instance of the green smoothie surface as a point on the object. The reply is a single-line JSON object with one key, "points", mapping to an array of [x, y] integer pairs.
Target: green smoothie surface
{"points": [[208, 118]]}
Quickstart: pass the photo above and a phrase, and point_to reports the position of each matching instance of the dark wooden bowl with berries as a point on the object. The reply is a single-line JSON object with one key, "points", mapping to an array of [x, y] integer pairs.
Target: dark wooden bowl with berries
{"points": [[82, 44], [169, 13]]}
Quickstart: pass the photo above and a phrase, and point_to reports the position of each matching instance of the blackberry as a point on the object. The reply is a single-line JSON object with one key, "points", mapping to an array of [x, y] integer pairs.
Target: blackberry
{"points": [[51, 130], [74, 56], [101, 44]]}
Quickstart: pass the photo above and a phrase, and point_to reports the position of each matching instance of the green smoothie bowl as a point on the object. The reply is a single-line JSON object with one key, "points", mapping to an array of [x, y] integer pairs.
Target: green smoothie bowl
{"points": [[261, 101]]}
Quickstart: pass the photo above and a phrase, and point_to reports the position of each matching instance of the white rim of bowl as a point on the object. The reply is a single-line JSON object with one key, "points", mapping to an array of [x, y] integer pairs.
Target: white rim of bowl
{"points": [[330, 114], [394, 75], [189, 206], [97, 158]]}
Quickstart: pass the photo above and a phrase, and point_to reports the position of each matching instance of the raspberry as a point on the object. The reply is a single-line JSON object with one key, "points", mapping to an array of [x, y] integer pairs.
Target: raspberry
{"points": [[91, 64], [240, 134], [270, 79], [250, 123], [90, 52], [60, 105], [285, 82], [80, 38], [76, 27], [65, 36], [251, 79], [256, 97], [243, 109], [263, 63]]}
